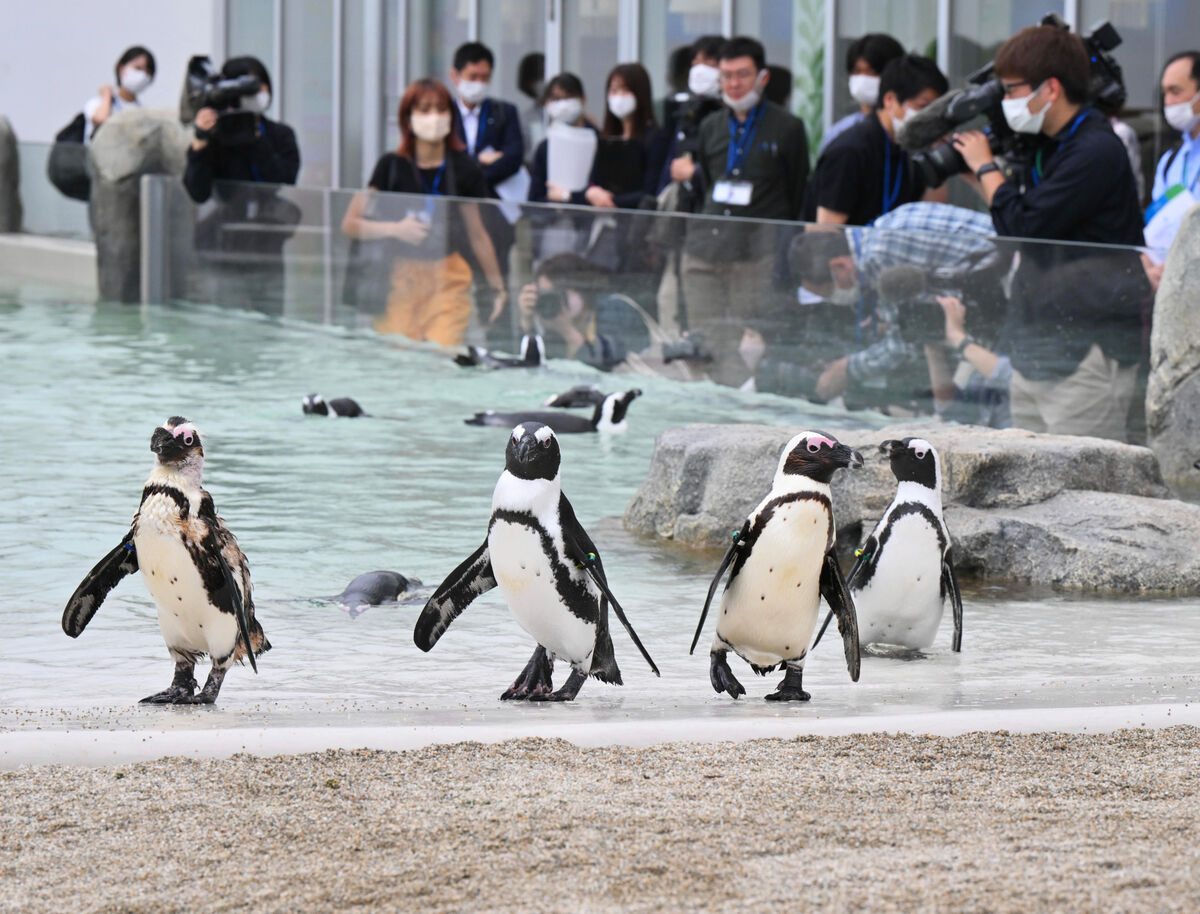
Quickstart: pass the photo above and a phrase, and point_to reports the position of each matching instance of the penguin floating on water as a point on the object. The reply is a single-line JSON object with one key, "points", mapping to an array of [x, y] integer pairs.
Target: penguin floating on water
{"points": [[548, 570], [608, 416], [579, 395], [533, 354], [191, 565], [373, 588], [316, 405], [783, 563]]}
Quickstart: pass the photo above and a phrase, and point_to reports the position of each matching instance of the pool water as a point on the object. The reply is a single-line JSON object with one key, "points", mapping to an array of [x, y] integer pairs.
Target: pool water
{"points": [[315, 502]]}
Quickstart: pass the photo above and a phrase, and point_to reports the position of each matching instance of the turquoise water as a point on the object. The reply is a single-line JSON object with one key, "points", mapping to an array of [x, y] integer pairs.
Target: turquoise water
{"points": [[315, 502]]}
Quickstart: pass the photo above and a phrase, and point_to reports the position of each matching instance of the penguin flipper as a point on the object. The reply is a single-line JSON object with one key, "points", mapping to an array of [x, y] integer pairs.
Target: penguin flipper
{"points": [[950, 587], [738, 539], [97, 584], [864, 558], [836, 594], [582, 550], [470, 579]]}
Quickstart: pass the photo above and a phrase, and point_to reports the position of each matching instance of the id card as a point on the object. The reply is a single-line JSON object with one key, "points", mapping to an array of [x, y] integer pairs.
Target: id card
{"points": [[735, 193]]}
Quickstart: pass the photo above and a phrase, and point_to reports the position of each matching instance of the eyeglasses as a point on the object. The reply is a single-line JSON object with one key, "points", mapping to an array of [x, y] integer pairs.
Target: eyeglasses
{"points": [[740, 76], [1016, 84]]}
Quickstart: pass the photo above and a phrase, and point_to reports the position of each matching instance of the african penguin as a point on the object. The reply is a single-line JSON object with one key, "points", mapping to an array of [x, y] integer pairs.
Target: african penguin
{"points": [[783, 563], [373, 588], [579, 395], [191, 565], [904, 573], [548, 570], [608, 416], [533, 354], [316, 405]]}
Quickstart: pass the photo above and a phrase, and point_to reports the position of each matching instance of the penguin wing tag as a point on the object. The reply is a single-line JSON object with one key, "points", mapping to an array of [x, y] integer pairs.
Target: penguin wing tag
{"points": [[97, 584], [950, 588], [470, 579], [833, 589], [732, 551], [863, 559]]}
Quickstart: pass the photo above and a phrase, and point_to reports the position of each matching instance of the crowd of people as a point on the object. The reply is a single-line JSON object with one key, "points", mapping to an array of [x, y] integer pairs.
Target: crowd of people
{"points": [[851, 281]]}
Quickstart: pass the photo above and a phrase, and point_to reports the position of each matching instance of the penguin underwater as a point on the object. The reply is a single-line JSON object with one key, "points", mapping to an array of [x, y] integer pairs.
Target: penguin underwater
{"points": [[190, 563], [783, 563], [608, 416], [548, 570]]}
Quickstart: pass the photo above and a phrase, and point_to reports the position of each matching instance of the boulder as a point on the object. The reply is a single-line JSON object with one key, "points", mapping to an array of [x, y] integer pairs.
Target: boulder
{"points": [[132, 143], [11, 214], [1065, 511], [1173, 393]]}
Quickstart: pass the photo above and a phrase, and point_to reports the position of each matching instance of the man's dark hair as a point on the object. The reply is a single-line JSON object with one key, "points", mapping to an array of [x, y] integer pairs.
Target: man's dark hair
{"points": [[678, 64], [1039, 52], [567, 82], [744, 46], [571, 271], [908, 76], [876, 48], [531, 71], [779, 85], [810, 252], [132, 54], [1193, 56], [246, 66], [708, 45], [473, 52]]}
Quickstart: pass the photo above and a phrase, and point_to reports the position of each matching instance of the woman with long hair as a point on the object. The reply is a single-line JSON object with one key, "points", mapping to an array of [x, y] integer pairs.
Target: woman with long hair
{"points": [[624, 174], [430, 291]]}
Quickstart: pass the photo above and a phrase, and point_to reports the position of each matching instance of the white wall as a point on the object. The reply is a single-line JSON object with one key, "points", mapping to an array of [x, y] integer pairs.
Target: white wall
{"points": [[55, 54]]}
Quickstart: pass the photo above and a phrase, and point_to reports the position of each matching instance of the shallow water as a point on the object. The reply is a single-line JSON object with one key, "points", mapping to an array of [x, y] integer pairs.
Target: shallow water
{"points": [[315, 502]]}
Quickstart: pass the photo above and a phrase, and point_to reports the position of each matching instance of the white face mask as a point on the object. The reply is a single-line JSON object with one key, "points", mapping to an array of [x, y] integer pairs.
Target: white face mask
{"points": [[431, 126], [751, 98], [564, 110], [704, 80], [899, 121], [257, 103], [622, 105], [1018, 115], [1181, 117], [135, 79], [864, 89], [472, 92]]}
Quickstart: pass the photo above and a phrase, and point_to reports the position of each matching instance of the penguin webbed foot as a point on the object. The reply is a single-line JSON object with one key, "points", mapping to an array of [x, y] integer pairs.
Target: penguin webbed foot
{"points": [[534, 681], [569, 689], [183, 684], [212, 688], [791, 687], [721, 676]]}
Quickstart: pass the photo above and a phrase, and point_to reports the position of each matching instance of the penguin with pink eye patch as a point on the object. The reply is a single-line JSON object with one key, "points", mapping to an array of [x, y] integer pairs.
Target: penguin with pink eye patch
{"points": [[783, 563]]}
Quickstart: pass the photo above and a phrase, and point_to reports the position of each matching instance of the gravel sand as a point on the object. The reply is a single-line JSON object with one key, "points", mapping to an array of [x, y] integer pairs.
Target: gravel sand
{"points": [[980, 822]]}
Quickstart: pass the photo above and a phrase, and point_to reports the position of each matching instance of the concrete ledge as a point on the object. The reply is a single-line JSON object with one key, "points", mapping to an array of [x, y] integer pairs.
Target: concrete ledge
{"points": [[64, 264]]}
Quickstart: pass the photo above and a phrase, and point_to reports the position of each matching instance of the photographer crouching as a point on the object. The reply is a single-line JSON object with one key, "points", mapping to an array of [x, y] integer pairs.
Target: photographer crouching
{"points": [[1073, 326]]}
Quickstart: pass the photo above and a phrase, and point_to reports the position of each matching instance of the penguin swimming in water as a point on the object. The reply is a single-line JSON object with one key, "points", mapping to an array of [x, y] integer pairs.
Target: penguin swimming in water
{"points": [[373, 588], [316, 405], [904, 573], [548, 570], [191, 565], [608, 416], [783, 563], [579, 395], [533, 354]]}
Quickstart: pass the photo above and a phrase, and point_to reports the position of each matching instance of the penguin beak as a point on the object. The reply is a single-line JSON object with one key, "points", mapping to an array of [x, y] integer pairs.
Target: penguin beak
{"points": [[846, 456], [166, 445], [891, 448], [524, 447]]}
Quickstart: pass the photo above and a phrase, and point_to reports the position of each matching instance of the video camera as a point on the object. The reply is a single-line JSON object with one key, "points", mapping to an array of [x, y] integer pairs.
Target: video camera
{"points": [[937, 159], [206, 88]]}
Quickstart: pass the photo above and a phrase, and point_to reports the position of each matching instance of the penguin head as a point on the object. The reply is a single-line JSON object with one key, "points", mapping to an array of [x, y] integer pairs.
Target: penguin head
{"points": [[532, 452], [314, 404], [817, 456], [914, 460], [176, 440], [610, 412]]}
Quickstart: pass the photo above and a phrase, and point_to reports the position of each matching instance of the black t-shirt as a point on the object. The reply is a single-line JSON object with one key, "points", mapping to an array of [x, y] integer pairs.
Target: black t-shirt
{"points": [[462, 178], [850, 175]]}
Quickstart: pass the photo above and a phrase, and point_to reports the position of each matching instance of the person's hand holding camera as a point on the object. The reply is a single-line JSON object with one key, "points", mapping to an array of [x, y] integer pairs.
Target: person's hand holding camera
{"points": [[205, 124], [975, 149], [956, 319], [410, 229]]}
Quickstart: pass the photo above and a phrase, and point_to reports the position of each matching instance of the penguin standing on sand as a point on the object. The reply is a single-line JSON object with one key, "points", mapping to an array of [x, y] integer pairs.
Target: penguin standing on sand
{"points": [[783, 563], [191, 565], [904, 573], [608, 416], [548, 569]]}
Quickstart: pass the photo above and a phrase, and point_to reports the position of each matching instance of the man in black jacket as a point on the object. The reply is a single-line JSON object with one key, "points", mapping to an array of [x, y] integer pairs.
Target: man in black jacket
{"points": [[1074, 322]]}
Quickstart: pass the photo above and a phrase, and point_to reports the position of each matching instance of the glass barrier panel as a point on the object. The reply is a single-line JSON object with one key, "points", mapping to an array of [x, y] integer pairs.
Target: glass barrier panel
{"points": [[46, 210]]}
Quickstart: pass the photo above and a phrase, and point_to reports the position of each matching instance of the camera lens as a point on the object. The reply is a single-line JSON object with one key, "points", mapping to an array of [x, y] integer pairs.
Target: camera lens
{"points": [[550, 304]]}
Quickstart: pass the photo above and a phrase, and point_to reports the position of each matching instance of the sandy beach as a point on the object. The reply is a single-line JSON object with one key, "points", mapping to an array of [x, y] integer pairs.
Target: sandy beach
{"points": [[975, 822]]}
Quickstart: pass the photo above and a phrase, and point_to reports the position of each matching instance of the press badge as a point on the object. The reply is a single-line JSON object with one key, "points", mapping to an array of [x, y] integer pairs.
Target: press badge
{"points": [[735, 193]]}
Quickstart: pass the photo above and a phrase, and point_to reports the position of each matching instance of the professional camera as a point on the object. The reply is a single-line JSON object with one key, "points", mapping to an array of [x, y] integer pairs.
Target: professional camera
{"points": [[938, 160], [692, 348], [550, 305], [205, 88]]}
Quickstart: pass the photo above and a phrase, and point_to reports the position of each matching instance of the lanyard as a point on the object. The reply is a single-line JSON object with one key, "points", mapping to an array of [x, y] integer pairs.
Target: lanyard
{"points": [[735, 157], [890, 198], [1037, 160], [437, 180]]}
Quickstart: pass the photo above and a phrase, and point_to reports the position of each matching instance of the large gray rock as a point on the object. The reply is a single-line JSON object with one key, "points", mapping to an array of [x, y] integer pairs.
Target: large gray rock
{"points": [[11, 214], [132, 143], [1173, 395], [1045, 509]]}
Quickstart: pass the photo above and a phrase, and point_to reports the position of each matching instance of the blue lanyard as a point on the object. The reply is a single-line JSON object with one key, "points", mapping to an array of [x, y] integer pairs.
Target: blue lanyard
{"points": [[735, 156], [1037, 162], [437, 180], [890, 198]]}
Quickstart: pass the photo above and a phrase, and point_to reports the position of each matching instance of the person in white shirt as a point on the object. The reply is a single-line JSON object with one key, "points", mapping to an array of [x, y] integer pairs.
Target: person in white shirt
{"points": [[135, 71]]}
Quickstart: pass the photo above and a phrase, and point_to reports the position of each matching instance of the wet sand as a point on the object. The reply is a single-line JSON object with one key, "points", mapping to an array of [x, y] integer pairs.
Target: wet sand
{"points": [[869, 822]]}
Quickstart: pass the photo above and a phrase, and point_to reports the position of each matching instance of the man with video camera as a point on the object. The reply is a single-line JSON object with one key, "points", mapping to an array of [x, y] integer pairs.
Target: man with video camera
{"points": [[1074, 320]]}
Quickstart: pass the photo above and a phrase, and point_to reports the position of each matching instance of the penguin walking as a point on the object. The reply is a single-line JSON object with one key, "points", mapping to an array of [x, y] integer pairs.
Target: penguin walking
{"points": [[783, 563], [904, 573], [608, 416], [548, 570], [316, 405], [190, 563]]}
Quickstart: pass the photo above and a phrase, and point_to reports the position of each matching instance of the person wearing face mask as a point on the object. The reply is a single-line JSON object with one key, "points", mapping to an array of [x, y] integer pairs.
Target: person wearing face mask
{"points": [[1074, 319], [865, 60], [633, 147], [489, 128], [428, 295], [703, 98], [864, 174], [135, 71], [1177, 175]]}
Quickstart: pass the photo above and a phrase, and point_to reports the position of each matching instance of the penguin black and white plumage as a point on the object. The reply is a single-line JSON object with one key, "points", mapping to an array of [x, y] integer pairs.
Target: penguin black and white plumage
{"points": [[608, 416], [373, 588], [316, 405], [783, 564], [579, 395], [904, 574], [190, 563], [533, 354], [548, 570]]}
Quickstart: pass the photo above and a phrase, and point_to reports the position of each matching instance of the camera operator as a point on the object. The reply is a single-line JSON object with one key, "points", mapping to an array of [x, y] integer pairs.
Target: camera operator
{"points": [[1073, 324], [267, 153]]}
